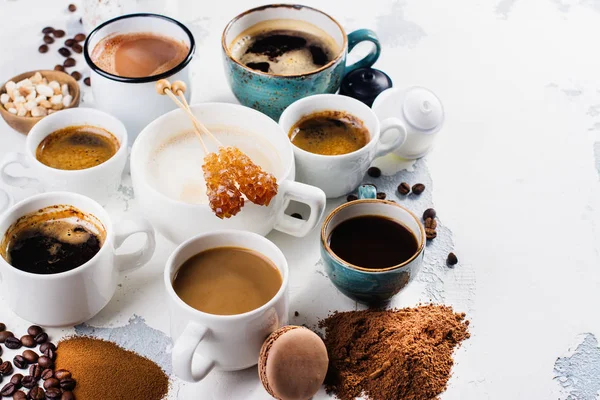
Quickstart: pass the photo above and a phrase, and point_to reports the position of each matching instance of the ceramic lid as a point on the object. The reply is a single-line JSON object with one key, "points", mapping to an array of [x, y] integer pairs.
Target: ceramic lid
{"points": [[365, 84], [422, 108]]}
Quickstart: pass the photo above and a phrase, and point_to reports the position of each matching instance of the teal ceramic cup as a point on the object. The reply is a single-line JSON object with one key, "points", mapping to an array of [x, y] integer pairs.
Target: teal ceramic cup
{"points": [[271, 93], [367, 285]]}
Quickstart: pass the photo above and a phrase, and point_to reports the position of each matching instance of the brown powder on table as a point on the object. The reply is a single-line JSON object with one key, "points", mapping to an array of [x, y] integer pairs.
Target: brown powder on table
{"points": [[104, 371], [392, 354]]}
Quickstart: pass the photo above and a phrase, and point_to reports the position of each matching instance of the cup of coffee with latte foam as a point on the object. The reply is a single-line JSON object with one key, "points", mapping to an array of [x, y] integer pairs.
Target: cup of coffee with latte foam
{"points": [[127, 55], [61, 248], [80, 150], [277, 54]]}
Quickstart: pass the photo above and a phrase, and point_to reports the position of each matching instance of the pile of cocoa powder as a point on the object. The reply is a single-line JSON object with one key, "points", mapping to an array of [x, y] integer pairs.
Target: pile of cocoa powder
{"points": [[392, 354]]}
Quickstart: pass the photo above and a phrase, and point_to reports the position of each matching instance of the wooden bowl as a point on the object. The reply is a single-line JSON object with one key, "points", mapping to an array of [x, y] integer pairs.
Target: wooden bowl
{"points": [[24, 124]]}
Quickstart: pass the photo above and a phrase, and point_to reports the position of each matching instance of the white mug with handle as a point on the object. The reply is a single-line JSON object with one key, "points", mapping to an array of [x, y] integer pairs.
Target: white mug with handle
{"points": [[76, 295], [204, 341]]}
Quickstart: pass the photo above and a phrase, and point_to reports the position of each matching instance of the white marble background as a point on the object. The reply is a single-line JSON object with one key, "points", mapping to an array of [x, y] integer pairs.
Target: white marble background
{"points": [[514, 178]]}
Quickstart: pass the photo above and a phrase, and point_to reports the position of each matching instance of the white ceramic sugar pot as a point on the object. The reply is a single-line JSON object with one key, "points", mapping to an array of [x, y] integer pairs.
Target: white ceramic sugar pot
{"points": [[420, 110]]}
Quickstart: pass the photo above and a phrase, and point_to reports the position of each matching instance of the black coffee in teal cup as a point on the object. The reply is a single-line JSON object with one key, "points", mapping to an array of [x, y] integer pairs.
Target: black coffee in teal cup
{"points": [[360, 241], [268, 65]]}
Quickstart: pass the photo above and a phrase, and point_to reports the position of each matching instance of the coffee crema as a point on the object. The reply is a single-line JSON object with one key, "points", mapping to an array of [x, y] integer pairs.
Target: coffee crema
{"points": [[284, 47], [138, 55], [227, 280], [373, 241], [77, 147], [329, 133], [52, 240]]}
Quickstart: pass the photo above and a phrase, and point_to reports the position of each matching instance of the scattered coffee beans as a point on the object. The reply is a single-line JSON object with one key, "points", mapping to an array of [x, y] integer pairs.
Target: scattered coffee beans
{"points": [[297, 215], [51, 383], [29, 381], [46, 346], [19, 395], [69, 62], [77, 48], [34, 330], [80, 37], [8, 390], [87, 81], [430, 228], [351, 197], [30, 356], [53, 394], [76, 75], [67, 396], [6, 368], [16, 380], [43, 48], [36, 393], [452, 260], [63, 51], [36, 370], [58, 33], [41, 338], [381, 195], [5, 335], [45, 362], [374, 172], [404, 188], [47, 30], [418, 188], [12, 343], [72, 7], [59, 67], [70, 42], [2, 327], [28, 341], [48, 39], [67, 383], [429, 213], [47, 374], [20, 362]]}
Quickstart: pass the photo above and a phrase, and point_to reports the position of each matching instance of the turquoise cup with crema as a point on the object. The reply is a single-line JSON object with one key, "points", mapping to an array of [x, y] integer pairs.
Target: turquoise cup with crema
{"points": [[272, 93], [369, 285]]}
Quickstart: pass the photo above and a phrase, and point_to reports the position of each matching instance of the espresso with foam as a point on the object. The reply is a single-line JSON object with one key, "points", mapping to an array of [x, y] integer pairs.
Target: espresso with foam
{"points": [[52, 240], [284, 47], [138, 55]]}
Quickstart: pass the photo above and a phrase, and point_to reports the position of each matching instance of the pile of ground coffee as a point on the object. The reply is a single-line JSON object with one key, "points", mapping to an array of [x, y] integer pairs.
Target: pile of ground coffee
{"points": [[106, 371], [392, 354]]}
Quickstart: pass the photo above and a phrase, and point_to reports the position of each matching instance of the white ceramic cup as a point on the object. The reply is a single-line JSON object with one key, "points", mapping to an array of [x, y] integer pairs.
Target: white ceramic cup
{"points": [[340, 174], [97, 182], [134, 100], [178, 220], [74, 296], [226, 342]]}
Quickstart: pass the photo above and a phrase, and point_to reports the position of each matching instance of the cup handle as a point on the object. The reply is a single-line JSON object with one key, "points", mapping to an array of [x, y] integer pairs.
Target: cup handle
{"points": [[18, 181], [186, 365], [313, 197], [386, 126], [132, 261], [6, 200], [355, 38]]}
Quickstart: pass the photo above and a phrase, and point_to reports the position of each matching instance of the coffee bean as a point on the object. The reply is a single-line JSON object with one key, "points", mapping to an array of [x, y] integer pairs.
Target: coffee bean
{"points": [[51, 354], [59, 67], [30, 356], [46, 346], [80, 37], [20, 362], [77, 48], [63, 51], [47, 374], [6, 368], [43, 48], [47, 30], [12, 343], [76, 75], [45, 362], [297, 215], [62, 374], [5, 335], [53, 393], [67, 396], [87, 81], [8, 390], [0, 350], [351, 197], [429, 213], [51, 383], [58, 33], [70, 42], [452, 260], [374, 172], [67, 384], [72, 7], [69, 62], [29, 381], [16, 380], [41, 338], [2, 327], [35, 370], [36, 393], [418, 188], [34, 330], [48, 39], [404, 188], [430, 233], [19, 395], [381, 195], [28, 341]]}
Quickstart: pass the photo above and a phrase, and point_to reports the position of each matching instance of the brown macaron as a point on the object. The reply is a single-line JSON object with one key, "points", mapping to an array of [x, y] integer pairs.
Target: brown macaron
{"points": [[293, 363]]}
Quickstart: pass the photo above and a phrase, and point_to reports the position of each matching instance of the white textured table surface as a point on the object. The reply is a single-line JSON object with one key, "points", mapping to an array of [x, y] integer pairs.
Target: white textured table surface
{"points": [[514, 178]]}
